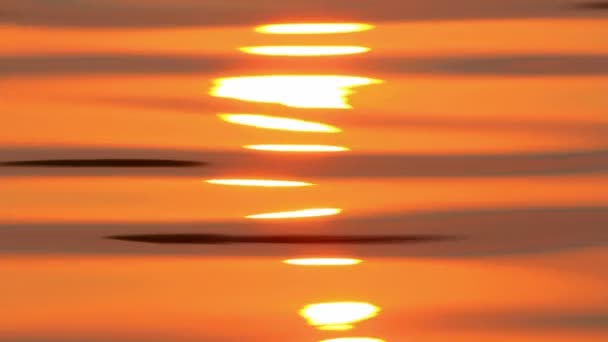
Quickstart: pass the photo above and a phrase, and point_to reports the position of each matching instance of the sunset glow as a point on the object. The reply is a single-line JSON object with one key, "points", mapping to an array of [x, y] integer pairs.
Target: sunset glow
{"points": [[354, 339], [274, 122], [313, 28], [297, 148], [299, 91], [336, 327], [258, 182], [323, 261], [338, 313], [315, 212], [304, 50]]}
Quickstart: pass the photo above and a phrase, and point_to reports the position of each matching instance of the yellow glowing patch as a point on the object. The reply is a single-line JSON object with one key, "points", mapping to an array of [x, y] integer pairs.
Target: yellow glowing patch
{"points": [[297, 148], [323, 261], [304, 50], [299, 91], [336, 327], [258, 182], [313, 28], [354, 339], [338, 313], [316, 212], [275, 122]]}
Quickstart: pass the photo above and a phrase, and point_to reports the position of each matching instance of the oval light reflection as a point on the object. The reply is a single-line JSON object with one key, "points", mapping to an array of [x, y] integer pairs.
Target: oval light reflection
{"points": [[278, 123], [258, 182], [294, 50], [313, 28], [338, 313], [323, 261], [296, 148], [298, 91], [315, 212]]}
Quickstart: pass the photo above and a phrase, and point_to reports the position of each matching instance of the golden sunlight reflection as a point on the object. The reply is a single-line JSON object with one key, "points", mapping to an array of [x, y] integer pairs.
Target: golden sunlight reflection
{"points": [[338, 313], [313, 28], [304, 50], [336, 327], [297, 148], [354, 339], [314, 212], [258, 182], [300, 91], [323, 261], [275, 122]]}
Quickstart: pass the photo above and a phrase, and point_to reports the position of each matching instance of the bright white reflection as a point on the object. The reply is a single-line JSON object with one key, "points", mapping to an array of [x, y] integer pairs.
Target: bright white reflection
{"points": [[354, 339], [258, 182], [304, 50], [297, 148], [315, 212], [338, 313], [275, 122], [299, 91], [313, 28], [323, 261]]}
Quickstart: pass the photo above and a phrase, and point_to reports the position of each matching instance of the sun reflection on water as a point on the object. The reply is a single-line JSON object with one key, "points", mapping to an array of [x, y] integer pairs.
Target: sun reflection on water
{"points": [[354, 339], [298, 91], [338, 313], [258, 182], [314, 212], [323, 261], [313, 28], [279, 123], [296, 148], [293, 50]]}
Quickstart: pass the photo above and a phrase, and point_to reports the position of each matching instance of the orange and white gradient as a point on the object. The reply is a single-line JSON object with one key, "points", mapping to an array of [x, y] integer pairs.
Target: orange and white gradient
{"points": [[354, 339], [270, 183], [294, 214], [280, 123], [323, 261], [313, 28], [338, 313], [298, 91], [296, 148], [139, 87], [304, 50]]}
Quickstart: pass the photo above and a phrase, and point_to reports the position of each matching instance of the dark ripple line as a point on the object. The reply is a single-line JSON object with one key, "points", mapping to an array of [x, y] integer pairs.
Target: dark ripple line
{"points": [[278, 239], [103, 163]]}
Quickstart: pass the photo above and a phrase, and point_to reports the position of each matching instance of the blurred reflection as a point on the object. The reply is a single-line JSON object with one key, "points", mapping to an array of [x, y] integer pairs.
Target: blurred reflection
{"points": [[313, 28], [297, 148], [304, 50], [338, 313], [323, 261], [315, 212], [275, 122], [301, 91], [336, 327], [258, 182], [354, 339]]}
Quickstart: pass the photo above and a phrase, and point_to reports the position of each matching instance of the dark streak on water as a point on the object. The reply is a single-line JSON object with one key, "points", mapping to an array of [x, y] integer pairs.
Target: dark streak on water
{"points": [[593, 5], [103, 163], [206, 239]]}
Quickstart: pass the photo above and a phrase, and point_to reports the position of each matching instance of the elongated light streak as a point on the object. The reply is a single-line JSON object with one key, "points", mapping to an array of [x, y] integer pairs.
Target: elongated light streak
{"points": [[313, 28], [314, 212], [296, 148], [279, 123], [323, 261], [294, 50], [338, 313], [258, 182], [298, 91]]}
